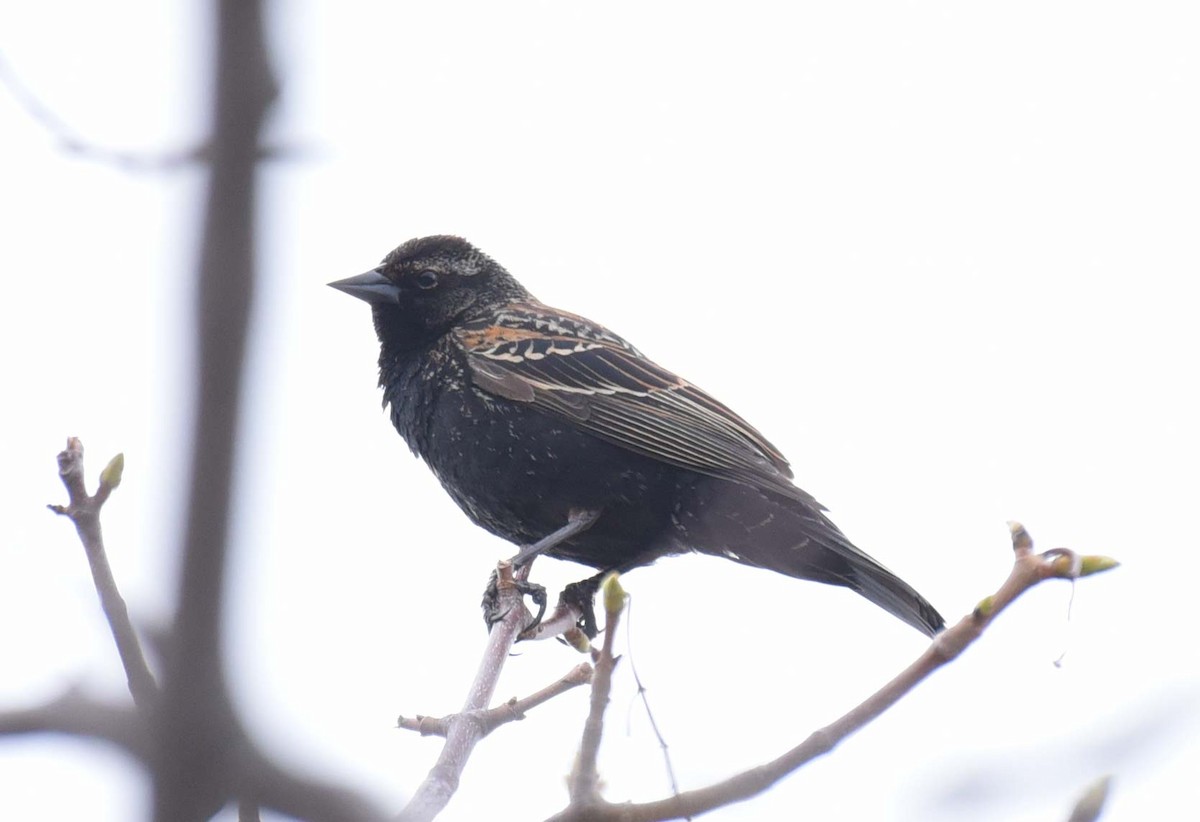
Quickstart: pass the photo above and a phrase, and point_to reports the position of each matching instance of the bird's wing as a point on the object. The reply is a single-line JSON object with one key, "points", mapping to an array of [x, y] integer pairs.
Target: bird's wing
{"points": [[573, 368]]}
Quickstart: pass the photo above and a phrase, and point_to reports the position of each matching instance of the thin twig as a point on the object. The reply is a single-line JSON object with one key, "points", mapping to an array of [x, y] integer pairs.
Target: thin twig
{"points": [[585, 780], [560, 623], [510, 711], [71, 142], [641, 692], [1028, 570], [135, 162], [84, 511]]}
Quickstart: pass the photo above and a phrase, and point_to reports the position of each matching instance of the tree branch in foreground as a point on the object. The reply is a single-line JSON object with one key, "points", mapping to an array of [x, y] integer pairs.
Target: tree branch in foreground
{"points": [[75, 715], [84, 510], [1028, 570], [198, 754], [197, 730], [1091, 804]]}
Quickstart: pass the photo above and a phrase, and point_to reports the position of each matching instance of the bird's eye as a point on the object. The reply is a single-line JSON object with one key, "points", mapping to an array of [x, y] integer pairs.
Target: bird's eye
{"points": [[426, 279]]}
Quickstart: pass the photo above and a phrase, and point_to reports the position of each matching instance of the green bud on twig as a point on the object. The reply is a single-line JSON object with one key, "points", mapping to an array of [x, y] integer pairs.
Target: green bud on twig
{"points": [[1094, 564], [110, 477], [614, 594]]}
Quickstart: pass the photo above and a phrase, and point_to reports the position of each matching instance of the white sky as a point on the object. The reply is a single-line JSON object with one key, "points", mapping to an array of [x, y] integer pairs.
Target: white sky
{"points": [[944, 255]]}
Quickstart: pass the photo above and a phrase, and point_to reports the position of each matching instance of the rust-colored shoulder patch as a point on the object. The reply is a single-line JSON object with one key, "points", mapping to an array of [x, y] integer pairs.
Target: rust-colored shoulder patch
{"points": [[474, 338]]}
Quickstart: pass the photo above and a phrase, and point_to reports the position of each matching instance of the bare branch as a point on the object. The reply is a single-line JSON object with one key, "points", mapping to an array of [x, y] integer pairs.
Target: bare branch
{"points": [[466, 728], [75, 715], [1028, 570], [506, 712], [262, 783], [515, 709], [562, 622], [641, 692], [84, 511], [273, 788], [187, 734], [71, 142], [584, 779]]}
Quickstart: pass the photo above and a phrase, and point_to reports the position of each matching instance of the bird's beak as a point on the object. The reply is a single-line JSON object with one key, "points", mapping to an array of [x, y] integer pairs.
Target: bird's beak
{"points": [[372, 287]]}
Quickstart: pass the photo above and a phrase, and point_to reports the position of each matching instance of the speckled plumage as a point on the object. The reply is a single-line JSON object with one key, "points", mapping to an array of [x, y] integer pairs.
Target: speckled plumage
{"points": [[525, 413]]}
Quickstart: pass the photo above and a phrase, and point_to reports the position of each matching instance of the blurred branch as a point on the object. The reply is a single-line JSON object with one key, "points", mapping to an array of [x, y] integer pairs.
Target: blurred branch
{"points": [[187, 733], [1091, 804], [128, 730], [71, 142], [1029, 569], [197, 730], [74, 715], [84, 511]]}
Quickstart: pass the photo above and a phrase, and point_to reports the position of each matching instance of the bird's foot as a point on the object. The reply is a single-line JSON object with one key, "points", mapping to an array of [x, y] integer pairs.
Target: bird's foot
{"points": [[581, 596], [491, 600]]}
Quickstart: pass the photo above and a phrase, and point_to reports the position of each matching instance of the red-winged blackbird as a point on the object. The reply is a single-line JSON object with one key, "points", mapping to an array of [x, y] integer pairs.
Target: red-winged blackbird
{"points": [[542, 423]]}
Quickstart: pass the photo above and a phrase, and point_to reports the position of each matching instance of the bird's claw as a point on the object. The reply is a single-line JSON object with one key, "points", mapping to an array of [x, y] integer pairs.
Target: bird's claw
{"points": [[491, 600], [582, 596], [538, 594]]}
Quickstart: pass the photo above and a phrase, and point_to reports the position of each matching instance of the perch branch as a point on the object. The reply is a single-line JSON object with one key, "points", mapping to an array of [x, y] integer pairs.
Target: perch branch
{"points": [[466, 728]]}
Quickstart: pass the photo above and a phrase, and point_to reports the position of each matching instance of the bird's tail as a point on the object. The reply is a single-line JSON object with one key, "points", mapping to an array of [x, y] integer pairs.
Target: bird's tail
{"points": [[793, 537]]}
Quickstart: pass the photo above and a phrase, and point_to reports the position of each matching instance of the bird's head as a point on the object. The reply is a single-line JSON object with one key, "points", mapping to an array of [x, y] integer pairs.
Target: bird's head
{"points": [[428, 285]]}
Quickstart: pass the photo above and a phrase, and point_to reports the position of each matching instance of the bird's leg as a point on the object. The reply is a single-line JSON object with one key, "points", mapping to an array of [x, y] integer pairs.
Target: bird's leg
{"points": [[578, 521]]}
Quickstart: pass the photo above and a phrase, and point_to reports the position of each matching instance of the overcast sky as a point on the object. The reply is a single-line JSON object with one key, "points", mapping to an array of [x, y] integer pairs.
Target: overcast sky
{"points": [[943, 255]]}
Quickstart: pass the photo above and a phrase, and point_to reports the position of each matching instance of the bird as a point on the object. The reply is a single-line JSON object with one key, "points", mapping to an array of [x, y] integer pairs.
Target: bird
{"points": [[556, 434]]}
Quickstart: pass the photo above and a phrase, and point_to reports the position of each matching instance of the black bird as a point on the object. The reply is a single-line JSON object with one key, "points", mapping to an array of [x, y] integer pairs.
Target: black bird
{"points": [[553, 432]]}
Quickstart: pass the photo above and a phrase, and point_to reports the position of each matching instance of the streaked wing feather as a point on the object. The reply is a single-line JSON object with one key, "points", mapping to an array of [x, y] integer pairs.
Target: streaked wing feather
{"points": [[571, 367]]}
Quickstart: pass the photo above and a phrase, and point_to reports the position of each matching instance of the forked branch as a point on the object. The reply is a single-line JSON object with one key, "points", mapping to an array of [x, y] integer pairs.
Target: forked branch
{"points": [[83, 510]]}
